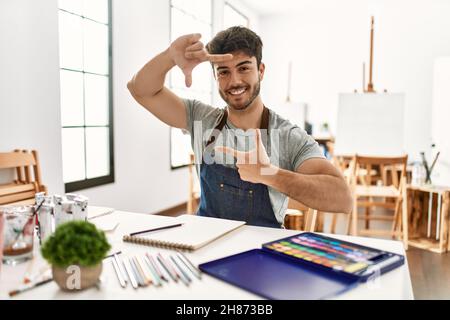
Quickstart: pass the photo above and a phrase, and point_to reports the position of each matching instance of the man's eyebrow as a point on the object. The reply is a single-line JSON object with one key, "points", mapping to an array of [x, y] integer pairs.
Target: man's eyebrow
{"points": [[238, 65], [243, 62]]}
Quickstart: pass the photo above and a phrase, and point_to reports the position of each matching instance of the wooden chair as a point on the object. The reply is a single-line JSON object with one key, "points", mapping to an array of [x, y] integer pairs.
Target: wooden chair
{"points": [[194, 188], [27, 182], [345, 166], [300, 217], [370, 188]]}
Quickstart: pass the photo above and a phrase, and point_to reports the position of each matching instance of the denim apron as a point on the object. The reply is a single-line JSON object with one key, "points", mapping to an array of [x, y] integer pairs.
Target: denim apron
{"points": [[225, 195]]}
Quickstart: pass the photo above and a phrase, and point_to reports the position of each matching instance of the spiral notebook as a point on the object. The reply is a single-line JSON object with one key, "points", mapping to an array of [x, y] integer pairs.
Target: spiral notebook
{"points": [[196, 232]]}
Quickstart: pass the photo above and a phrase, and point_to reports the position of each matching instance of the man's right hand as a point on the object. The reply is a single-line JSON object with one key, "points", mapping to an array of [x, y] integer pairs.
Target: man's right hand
{"points": [[188, 51]]}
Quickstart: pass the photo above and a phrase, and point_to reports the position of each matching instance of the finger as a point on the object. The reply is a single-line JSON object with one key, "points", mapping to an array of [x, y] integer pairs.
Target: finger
{"points": [[227, 150], [188, 78], [258, 138], [194, 37], [241, 157], [257, 141], [199, 54], [219, 57], [195, 47]]}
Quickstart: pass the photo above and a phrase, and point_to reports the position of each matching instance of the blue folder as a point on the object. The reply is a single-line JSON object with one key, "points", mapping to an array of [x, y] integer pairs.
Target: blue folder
{"points": [[276, 276]]}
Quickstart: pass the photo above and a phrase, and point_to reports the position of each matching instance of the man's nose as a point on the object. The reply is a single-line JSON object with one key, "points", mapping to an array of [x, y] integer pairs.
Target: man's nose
{"points": [[235, 79]]}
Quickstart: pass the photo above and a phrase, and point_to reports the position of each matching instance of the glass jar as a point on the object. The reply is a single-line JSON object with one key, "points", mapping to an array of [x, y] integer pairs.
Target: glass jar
{"points": [[19, 225], [418, 175]]}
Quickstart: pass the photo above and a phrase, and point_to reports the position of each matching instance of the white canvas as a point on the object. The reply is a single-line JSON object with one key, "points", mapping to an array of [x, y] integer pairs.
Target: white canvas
{"points": [[370, 124]]}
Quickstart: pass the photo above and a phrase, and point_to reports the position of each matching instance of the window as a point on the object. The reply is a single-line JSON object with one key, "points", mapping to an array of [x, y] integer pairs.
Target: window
{"points": [[232, 17], [85, 91], [192, 16]]}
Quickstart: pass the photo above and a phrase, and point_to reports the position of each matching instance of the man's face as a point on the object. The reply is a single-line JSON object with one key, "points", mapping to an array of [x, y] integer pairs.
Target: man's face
{"points": [[239, 80]]}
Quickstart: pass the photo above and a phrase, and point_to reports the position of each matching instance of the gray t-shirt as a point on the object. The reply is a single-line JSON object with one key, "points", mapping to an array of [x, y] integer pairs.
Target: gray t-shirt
{"points": [[288, 145]]}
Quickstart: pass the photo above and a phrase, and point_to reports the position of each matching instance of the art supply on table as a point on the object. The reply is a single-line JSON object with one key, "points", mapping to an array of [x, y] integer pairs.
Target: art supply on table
{"points": [[120, 266], [18, 238], [164, 272], [155, 229], [79, 208], [44, 271], [329, 253], [139, 277], [156, 280], [27, 276], [167, 267], [434, 162], [136, 274], [195, 232], [303, 266], [113, 254], [126, 264], [143, 271], [118, 273], [195, 271], [182, 273], [97, 212], [70, 207], [30, 286], [425, 164], [45, 219], [156, 268]]}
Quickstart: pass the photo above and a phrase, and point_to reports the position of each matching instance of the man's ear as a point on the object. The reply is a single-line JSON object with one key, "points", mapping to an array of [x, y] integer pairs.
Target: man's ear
{"points": [[262, 68]]}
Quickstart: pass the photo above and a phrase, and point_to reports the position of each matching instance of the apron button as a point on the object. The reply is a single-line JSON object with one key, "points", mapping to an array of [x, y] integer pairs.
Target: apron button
{"points": [[250, 191], [221, 185]]}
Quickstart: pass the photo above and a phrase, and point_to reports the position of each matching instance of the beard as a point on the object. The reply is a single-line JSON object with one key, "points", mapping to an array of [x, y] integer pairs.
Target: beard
{"points": [[242, 105]]}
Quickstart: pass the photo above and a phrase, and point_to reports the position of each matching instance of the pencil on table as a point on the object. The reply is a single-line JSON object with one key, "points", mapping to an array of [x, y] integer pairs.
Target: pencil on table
{"points": [[154, 274], [148, 277], [183, 274], [130, 273], [173, 274], [155, 266], [195, 271]]}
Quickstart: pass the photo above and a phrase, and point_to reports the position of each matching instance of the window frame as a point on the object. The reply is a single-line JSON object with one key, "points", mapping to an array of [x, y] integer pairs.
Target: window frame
{"points": [[171, 6], [110, 178], [239, 12]]}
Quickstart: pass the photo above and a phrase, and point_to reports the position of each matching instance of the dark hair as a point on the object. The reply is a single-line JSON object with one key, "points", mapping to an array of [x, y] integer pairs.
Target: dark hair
{"points": [[237, 39]]}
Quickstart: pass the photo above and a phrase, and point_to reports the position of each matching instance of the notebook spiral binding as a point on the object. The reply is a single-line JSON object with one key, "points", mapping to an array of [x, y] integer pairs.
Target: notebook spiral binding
{"points": [[157, 243]]}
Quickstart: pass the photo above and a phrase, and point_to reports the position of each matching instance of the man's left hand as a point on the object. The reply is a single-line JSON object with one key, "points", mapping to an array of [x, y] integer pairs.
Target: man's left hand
{"points": [[253, 166]]}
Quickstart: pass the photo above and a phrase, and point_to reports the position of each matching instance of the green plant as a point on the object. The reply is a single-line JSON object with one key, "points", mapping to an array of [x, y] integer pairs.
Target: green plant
{"points": [[76, 243]]}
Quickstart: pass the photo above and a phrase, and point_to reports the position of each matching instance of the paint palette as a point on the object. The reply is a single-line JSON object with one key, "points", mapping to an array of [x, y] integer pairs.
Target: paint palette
{"points": [[332, 253]]}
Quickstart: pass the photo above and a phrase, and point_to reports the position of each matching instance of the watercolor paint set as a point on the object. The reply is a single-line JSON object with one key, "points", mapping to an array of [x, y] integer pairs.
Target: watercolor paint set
{"points": [[303, 266], [336, 255]]}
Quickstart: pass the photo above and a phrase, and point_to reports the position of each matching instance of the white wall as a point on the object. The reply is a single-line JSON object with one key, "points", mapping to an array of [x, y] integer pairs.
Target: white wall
{"points": [[29, 84], [441, 115], [328, 41]]}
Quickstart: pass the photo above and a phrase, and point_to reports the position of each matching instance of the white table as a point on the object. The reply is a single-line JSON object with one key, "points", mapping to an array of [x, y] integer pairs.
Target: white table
{"points": [[395, 284]]}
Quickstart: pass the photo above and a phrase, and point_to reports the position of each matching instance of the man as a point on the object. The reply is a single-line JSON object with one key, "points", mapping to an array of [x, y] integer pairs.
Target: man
{"points": [[251, 186]]}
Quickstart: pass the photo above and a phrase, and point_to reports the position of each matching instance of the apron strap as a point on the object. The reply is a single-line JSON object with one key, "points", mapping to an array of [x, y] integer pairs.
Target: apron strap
{"points": [[219, 127]]}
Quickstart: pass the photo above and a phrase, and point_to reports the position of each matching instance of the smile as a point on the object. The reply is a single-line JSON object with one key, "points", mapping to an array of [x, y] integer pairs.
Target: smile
{"points": [[237, 92]]}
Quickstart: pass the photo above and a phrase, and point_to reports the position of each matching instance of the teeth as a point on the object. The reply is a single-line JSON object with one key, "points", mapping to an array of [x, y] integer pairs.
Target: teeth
{"points": [[237, 91]]}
